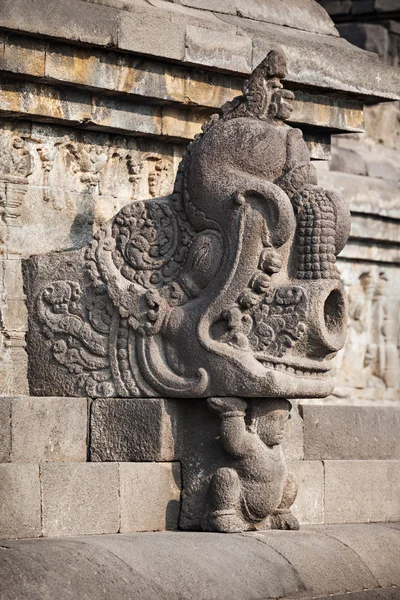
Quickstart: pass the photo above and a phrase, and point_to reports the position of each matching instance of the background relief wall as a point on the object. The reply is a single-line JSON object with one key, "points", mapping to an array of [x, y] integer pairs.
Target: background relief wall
{"points": [[57, 186]]}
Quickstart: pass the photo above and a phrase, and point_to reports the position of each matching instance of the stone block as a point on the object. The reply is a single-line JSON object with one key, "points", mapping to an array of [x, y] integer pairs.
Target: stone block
{"points": [[140, 32], [293, 446], [326, 565], [11, 275], [362, 491], [75, 20], [224, 50], [331, 62], [49, 429], [386, 5], [348, 161], [361, 7], [184, 124], [5, 430], [150, 496], [228, 7], [19, 501], [133, 429], [383, 170], [351, 432], [37, 100], [337, 7], [80, 498], [370, 37], [376, 551], [14, 315], [23, 55], [308, 507], [120, 114]]}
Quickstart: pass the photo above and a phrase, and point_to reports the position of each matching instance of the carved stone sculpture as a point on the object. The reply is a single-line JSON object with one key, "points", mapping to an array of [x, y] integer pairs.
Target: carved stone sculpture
{"points": [[228, 286], [257, 491], [227, 289]]}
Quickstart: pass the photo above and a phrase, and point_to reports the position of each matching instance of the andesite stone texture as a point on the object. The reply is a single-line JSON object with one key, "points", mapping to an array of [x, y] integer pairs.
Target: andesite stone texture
{"points": [[329, 564], [48, 429], [68, 489], [150, 496], [123, 429], [351, 432], [226, 287], [20, 503]]}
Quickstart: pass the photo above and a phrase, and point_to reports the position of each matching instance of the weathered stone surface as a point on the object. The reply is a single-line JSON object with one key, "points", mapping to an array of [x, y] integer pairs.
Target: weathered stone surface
{"points": [[366, 195], [359, 72], [348, 161], [246, 345], [375, 551], [299, 14], [140, 32], [386, 5], [322, 572], [48, 429], [23, 55], [336, 7], [123, 429], [360, 491], [5, 430], [351, 432], [369, 365], [78, 21], [371, 37], [308, 507], [113, 566], [293, 445], [150, 496], [383, 170], [230, 51], [375, 229], [19, 501], [80, 498]]}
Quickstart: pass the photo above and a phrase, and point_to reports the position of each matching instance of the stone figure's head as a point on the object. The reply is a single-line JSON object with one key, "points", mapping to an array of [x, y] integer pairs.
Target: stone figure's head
{"points": [[270, 420], [229, 286]]}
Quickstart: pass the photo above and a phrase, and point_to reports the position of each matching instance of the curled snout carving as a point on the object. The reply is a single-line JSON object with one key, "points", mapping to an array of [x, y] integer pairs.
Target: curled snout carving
{"points": [[227, 286]]}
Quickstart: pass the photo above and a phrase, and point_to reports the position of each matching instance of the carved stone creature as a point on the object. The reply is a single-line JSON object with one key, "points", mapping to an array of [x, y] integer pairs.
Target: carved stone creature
{"points": [[228, 286], [258, 491]]}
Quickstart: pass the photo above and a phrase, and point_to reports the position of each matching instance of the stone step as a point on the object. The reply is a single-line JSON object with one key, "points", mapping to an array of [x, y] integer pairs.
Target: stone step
{"points": [[351, 562]]}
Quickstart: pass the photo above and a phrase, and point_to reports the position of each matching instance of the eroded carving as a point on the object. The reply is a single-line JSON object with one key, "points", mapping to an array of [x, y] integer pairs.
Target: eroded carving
{"points": [[257, 491], [229, 284], [225, 289]]}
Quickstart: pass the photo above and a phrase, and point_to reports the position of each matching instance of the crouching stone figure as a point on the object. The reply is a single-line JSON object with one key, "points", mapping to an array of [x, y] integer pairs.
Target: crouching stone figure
{"points": [[257, 491]]}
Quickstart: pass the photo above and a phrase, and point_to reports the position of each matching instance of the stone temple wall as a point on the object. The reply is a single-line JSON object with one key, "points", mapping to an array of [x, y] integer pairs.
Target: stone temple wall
{"points": [[366, 169], [97, 107], [58, 186]]}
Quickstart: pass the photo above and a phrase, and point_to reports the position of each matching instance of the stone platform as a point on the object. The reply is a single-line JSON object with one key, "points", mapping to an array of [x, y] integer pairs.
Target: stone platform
{"points": [[339, 562], [75, 466]]}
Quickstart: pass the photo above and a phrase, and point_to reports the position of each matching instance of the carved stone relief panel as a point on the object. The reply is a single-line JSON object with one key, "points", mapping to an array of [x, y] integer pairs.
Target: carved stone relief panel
{"points": [[57, 185], [228, 286], [369, 364]]}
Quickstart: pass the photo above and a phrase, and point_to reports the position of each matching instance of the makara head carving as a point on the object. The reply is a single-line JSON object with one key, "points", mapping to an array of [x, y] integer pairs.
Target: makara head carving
{"points": [[227, 287]]}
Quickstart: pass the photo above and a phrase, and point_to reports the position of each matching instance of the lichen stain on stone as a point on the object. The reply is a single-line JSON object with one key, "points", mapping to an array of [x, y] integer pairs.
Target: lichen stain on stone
{"points": [[175, 85], [47, 103]]}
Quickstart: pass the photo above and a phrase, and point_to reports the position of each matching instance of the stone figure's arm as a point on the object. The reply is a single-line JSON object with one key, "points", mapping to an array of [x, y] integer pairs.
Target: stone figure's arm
{"points": [[235, 438]]}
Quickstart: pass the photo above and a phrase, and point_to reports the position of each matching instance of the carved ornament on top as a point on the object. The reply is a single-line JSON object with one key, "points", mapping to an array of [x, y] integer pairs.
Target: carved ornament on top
{"points": [[226, 287]]}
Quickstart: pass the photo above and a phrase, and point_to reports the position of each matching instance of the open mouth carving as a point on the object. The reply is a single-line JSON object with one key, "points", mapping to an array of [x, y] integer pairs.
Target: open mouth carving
{"points": [[317, 372]]}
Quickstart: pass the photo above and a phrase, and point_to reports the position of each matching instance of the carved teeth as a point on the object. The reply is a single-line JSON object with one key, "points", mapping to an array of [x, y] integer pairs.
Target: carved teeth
{"points": [[298, 371]]}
